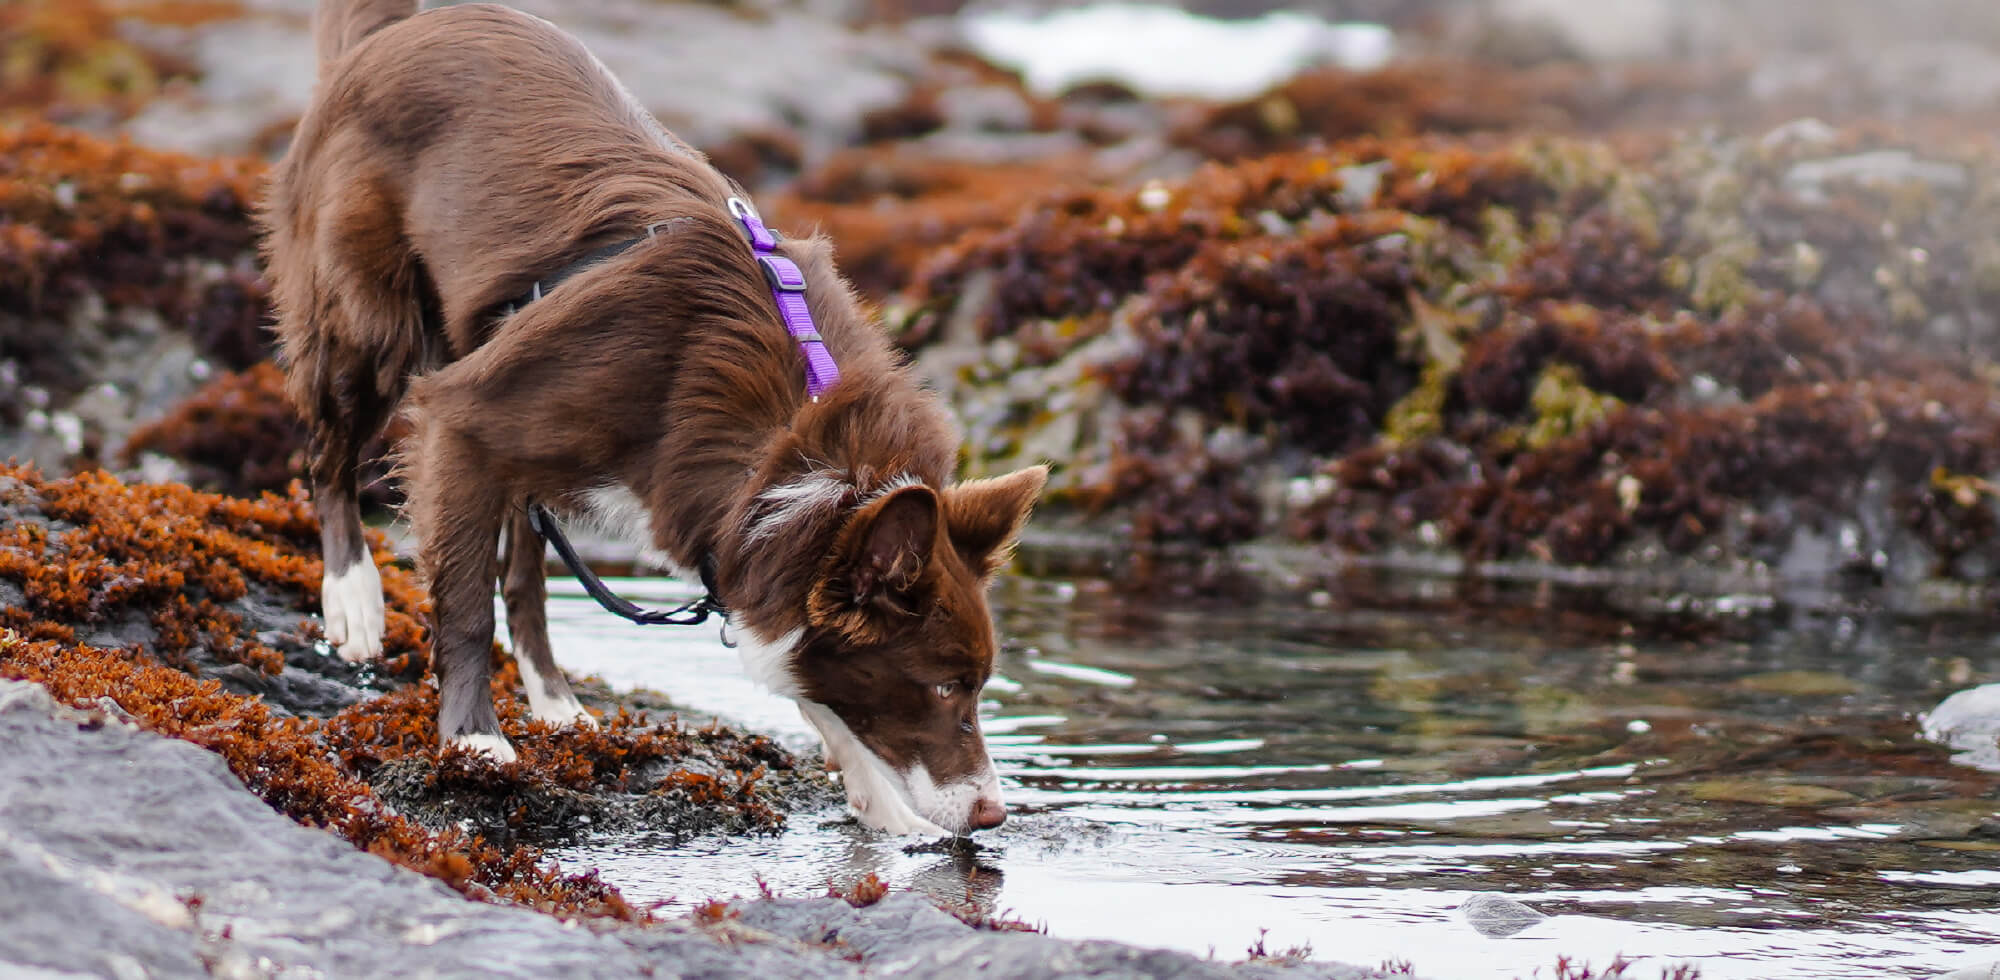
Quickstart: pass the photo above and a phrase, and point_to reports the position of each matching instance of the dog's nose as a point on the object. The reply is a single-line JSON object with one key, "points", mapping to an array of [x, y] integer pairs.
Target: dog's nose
{"points": [[987, 813]]}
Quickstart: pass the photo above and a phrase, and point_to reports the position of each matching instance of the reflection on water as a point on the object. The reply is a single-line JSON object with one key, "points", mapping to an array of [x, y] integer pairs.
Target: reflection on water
{"points": [[1188, 773]]}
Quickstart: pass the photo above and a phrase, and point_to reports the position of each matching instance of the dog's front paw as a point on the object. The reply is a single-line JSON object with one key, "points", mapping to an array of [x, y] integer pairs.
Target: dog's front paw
{"points": [[495, 747], [352, 603]]}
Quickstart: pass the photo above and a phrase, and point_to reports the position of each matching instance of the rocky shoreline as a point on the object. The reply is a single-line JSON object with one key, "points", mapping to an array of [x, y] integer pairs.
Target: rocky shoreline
{"points": [[189, 613], [109, 874]]}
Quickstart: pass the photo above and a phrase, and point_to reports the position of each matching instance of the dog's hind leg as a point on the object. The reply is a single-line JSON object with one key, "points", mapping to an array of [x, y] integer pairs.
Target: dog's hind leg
{"points": [[524, 583], [351, 331], [351, 588]]}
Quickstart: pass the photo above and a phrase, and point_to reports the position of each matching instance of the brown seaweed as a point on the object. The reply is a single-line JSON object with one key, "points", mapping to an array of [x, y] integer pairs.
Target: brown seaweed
{"points": [[88, 550]]}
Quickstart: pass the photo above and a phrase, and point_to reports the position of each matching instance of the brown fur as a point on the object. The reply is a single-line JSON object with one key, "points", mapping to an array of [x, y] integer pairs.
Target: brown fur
{"points": [[452, 158]]}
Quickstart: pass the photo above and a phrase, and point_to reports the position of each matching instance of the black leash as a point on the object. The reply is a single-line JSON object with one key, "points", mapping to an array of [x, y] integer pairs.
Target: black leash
{"points": [[691, 613]]}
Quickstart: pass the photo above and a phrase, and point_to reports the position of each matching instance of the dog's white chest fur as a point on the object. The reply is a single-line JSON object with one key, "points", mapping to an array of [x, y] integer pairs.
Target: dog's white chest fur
{"points": [[614, 510]]}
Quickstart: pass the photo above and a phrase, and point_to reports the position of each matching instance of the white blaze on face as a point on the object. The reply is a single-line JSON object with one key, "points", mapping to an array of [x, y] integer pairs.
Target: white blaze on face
{"points": [[352, 605], [892, 800]]}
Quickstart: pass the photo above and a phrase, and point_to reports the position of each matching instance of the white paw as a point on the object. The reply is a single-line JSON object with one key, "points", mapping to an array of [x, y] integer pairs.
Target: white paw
{"points": [[352, 602], [561, 711], [494, 747]]}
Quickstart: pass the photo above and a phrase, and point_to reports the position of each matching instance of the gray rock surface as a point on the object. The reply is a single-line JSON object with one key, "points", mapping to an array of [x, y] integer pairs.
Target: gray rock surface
{"points": [[1609, 30], [106, 371], [125, 854], [1968, 721], [1497, 915]]}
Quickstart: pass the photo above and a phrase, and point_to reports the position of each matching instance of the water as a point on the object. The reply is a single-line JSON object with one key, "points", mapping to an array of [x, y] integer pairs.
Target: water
{"points": [[1200, 773]]}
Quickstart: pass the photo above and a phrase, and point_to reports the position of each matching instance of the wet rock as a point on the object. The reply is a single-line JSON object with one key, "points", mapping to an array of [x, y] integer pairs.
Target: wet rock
{"points": [[189, 867], [904, 935], [1799, 683], [1809, 178], [182, 870], [1496, 916], [1968, 721], [1938, 73], [1767, 793], [1630, 29]]}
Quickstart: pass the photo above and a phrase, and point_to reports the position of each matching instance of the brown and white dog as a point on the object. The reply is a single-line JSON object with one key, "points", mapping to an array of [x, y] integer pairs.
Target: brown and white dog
{"points": [[454, 159]]}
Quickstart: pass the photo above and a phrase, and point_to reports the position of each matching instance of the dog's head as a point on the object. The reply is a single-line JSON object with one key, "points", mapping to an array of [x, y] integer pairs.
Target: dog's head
{"points": [[898, 645]]}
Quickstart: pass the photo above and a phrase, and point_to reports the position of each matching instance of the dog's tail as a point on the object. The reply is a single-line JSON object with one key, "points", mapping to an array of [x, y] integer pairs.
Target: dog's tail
{"points": [[341, 24]]}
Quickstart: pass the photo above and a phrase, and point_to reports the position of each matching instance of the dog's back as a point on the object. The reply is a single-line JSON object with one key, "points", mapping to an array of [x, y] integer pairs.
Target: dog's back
{"points": [[457, 154], [453, 158]]}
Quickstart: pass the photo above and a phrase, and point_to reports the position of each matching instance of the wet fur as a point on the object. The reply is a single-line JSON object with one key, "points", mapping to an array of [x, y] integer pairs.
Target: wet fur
{"points": [[452, 158]]}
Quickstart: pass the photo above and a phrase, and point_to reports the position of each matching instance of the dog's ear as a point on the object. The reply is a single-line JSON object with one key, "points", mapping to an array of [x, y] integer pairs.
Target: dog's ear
{"points": [[984, 517], [876, 570]]}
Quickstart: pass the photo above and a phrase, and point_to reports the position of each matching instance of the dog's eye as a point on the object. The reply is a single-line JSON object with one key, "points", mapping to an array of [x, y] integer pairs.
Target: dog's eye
{"points": [[947, 689]]}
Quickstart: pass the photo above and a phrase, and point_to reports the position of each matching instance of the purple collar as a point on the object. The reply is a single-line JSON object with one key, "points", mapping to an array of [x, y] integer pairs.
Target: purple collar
{"points": [[788, 290]]}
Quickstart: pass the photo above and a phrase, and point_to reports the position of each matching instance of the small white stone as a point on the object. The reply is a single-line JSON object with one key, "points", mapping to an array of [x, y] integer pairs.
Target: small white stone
{"points": [[1630, 492], [69, 428]]}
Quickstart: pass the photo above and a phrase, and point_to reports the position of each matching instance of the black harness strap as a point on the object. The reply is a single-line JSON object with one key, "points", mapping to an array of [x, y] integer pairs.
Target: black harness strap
{"points": [[692, 613], [544, 285]]}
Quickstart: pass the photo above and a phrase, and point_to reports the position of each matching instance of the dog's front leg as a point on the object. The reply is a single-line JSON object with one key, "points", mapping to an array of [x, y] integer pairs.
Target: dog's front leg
{"points": [[457, 507]]}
